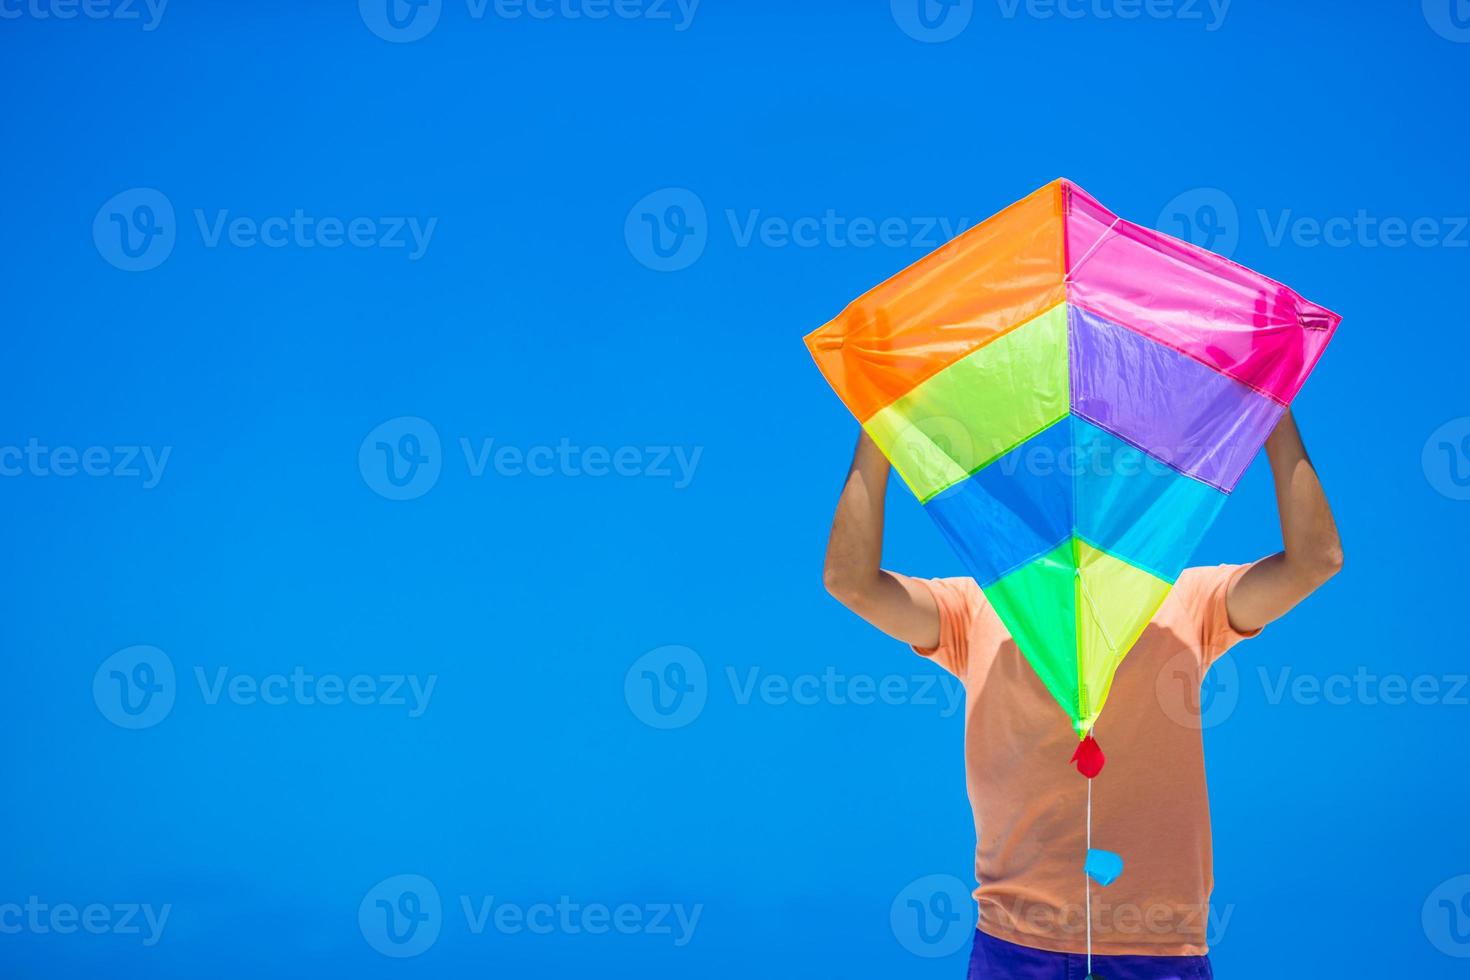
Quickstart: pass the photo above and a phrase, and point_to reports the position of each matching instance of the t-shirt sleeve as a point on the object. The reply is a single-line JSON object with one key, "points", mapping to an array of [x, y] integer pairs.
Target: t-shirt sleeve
{"points": [[1207, 589], [956, 599]]}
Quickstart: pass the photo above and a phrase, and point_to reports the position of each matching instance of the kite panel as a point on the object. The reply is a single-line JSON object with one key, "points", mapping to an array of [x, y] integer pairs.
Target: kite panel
{"points": [[1012, 511], [1190, 416], [1237, 321], [1115, 602], [1136, 508], [1037, 603], [979, 408], [1005, 271]]}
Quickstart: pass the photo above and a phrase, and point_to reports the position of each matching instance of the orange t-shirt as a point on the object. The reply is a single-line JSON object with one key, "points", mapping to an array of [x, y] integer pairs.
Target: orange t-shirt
{"points": [[1149, 804]]}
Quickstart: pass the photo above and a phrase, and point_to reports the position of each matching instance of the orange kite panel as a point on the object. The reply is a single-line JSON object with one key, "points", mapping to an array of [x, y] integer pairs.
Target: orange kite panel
{"points": [[993, 278]]}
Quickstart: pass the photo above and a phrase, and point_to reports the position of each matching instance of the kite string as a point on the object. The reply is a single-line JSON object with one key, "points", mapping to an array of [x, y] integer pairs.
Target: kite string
{"points": [[1087, 881], [1086, 878]]}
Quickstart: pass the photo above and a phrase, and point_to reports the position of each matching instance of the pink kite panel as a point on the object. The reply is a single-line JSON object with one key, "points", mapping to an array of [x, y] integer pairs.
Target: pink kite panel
{"points": [[1238, 322]]}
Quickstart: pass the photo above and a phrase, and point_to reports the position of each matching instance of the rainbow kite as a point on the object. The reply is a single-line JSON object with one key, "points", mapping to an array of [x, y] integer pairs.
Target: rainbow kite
{"points": [[1072, 397]]}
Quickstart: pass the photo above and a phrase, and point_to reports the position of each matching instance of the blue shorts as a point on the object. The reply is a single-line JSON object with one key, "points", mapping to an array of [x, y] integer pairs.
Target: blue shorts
{"points": [[996, 959]]}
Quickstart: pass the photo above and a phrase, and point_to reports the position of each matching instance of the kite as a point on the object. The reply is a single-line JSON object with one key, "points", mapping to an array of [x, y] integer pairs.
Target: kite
{"points": [[1072, 397]]}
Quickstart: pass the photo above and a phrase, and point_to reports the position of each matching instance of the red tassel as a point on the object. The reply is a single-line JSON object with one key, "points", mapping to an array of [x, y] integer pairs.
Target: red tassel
{"points": [[1089, 757]]}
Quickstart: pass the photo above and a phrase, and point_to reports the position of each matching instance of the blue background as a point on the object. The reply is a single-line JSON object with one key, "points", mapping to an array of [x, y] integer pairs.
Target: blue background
{"points": [[533, 317]]}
